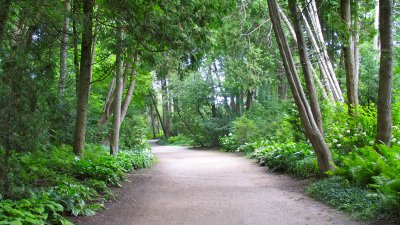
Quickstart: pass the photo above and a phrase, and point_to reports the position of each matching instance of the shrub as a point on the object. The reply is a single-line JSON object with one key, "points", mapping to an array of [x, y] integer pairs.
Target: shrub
{"points": [[54, 182], [293, 158]]}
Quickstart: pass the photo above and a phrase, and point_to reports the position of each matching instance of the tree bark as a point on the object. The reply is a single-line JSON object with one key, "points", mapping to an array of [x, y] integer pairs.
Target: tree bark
{"points": [[75, 37], [321, 149], [153, 124], [249, 100], [5, 8], [376, 26], [63, 50], [114, 140], [165, 105], [130, 91], [348, 54], [158, 114], [306, 64], [84, 78], [322, 52], [384, 121]]}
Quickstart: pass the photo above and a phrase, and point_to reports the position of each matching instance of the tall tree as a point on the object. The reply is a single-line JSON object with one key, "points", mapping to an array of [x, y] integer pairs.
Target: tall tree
{"points": [[118, 95], [84, 78], [306, 64], [316, 138], [384, 126], [64, 48], [349, 56]]}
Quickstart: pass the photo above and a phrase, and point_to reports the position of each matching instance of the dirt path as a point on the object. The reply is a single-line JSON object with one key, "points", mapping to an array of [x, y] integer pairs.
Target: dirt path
{"points": [[193, 187]]}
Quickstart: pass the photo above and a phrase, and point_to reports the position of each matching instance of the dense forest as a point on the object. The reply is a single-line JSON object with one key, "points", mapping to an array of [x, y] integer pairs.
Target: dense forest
{"points": [[307, 88]]}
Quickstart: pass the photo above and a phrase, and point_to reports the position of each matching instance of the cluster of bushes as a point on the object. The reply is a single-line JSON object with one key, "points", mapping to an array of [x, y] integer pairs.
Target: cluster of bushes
{"points": [[367, 180], [47, 184]]}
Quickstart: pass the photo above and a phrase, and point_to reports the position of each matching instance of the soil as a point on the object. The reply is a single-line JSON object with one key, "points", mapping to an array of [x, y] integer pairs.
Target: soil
{"points": [[204, 187]]}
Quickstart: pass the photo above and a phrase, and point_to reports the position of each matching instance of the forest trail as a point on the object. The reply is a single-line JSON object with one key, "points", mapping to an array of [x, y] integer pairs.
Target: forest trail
{"points": [[193, 187]]}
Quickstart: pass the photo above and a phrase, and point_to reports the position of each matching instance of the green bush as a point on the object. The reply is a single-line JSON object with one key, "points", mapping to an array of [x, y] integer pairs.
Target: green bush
{"points": [[54, 182], [39, 209], [293, 158]]}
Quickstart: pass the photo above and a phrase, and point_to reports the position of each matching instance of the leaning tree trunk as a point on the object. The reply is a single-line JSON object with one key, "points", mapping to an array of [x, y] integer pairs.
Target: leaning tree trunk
{"points": [[84, 78], [348, 55], [384, 128], [321, 149], [306, 64], [130, 91], [322, 52], [118, 96], [63, 50]]}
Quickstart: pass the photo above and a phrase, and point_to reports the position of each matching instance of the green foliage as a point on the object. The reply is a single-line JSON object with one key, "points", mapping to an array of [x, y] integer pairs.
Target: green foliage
{"points": [[39, 209], [293, 158], [54, 182], [359, 202], [379, 169]]}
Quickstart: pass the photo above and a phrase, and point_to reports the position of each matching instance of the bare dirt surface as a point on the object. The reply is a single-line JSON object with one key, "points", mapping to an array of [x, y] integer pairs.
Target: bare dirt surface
{"points": [[199, 187]]}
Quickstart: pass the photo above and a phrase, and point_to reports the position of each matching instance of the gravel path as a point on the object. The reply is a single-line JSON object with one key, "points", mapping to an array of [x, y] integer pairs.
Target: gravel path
{"points": [[193, 187]]}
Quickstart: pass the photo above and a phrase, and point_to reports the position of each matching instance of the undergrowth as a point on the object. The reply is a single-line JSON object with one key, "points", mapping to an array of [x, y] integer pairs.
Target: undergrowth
{"points": [[48, 184]]}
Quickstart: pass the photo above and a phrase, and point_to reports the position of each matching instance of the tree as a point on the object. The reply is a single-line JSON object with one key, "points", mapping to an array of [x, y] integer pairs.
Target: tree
{"points": [[306, 64], [64, 48], [349, 55], [316, 138], [118, 94], [84, 78], [384, 120]]}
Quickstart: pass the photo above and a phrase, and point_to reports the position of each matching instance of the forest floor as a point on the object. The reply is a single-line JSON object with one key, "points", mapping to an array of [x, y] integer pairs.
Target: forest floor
{"points": [[193, 187]]}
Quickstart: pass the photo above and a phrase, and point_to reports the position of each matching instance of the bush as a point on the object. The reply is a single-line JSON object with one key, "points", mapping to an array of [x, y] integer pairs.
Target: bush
{"points": [[54, 182], [297, 159]]}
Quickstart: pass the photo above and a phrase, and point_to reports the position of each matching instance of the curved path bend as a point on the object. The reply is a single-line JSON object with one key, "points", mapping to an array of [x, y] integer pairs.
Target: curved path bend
{"points": [[199, 187]]}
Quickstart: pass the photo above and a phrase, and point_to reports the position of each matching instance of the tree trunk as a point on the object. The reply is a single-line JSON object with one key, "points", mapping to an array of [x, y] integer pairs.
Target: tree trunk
{"points": [[306, 65], [158, 114], [153, 124], [165, 105], [320, 47], [63, 50], [5, 8], [84, 78], [384, 126], [75, 36], [376, 26], [348, 54], [131, 89], [285, 19], [114, 140], [249, 100], [321, 149]]}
